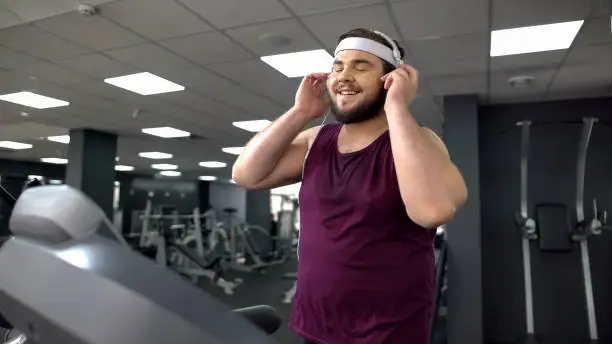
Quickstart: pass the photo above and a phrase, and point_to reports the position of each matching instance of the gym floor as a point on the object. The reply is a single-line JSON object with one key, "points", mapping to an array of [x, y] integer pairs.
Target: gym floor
{"points": [[268, 288]]}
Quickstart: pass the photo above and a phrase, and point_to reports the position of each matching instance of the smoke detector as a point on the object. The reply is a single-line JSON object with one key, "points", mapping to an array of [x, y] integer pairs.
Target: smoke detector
{"points": [[521, 81], [87, 10]]}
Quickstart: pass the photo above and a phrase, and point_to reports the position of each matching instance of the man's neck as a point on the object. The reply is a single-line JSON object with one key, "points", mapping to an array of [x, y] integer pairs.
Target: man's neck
{"points": [[372, 127]]}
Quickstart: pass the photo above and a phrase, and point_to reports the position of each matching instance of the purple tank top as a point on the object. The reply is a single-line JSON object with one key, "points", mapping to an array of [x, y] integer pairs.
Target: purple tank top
{"points": [[365, 271]]}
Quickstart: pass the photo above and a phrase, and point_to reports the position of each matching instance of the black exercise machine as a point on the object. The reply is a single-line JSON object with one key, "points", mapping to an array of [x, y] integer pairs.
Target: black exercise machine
{"points": [[78, 283], [440, 281], [553, 230]]}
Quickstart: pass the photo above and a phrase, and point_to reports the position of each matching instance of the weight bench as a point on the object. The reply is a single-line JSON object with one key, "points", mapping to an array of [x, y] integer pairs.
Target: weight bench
{"points": [[214, 264]]}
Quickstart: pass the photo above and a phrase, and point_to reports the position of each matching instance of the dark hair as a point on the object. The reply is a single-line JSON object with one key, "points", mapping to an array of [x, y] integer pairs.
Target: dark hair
{"points": [[369, 34]]}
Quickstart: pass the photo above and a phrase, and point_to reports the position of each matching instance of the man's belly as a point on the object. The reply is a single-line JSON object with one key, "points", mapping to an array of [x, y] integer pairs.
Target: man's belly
{"points": [[354, 307]]}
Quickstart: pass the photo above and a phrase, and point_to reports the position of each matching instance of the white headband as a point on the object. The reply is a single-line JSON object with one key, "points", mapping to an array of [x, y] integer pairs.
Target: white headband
{"points": [[358, 43]]}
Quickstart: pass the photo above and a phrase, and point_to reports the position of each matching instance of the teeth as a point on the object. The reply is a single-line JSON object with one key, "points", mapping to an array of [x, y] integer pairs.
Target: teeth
{"points": [[346, 93]]}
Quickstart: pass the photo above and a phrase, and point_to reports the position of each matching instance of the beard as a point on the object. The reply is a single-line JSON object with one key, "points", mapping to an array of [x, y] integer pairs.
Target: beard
{"points": [[363, 112]]}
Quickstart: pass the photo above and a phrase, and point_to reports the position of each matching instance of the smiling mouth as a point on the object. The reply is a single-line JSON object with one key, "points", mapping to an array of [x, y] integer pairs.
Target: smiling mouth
{"points": [[347, 92]]}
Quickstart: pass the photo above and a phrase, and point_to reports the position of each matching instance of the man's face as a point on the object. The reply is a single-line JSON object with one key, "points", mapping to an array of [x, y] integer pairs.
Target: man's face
{"points": [[355, 88]]}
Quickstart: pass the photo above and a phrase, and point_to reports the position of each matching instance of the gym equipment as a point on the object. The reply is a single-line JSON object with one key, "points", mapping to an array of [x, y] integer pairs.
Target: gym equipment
{"points": [[244, 254], [287, 227], [82, 287], [528, 231], [290, 294], [555, 232], [7, 197], [190, 263], [554, 227], [177, 241], [584, 229], [441, 258]]}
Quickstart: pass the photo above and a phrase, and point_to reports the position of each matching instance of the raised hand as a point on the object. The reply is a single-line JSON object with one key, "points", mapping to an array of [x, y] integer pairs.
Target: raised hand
{"points": [[401, 85], [310, 97]]}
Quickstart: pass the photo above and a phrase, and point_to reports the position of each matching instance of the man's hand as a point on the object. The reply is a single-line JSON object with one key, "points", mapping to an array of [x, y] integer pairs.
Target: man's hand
{"points": [[309, 99], [401, 85]]}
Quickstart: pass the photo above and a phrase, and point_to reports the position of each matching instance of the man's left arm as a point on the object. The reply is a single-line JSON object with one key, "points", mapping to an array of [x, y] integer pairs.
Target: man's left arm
{"points": [[431, 186]]}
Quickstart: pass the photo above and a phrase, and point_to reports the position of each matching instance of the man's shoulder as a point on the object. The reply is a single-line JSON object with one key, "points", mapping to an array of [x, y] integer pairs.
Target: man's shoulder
{"points": [[314, 132]]}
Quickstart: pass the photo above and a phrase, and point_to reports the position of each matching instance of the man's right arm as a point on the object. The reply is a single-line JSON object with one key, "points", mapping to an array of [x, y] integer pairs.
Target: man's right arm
{"points": [[275, 156]]}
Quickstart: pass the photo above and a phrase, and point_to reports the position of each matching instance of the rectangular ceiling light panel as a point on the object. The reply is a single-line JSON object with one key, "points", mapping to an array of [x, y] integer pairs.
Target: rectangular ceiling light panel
{"points": [[60, 138], [300, 63], [33, 100], [166, 132], [532, 39], [253, 126], [144, 84], [14, 145]]}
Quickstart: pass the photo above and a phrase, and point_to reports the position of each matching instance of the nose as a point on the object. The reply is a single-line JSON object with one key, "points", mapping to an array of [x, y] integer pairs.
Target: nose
{"points": [[345, 75]]}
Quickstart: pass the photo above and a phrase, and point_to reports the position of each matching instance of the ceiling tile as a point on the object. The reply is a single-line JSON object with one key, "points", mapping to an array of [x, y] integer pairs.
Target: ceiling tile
{"points": [[37, 69], [155, 19], [450, 66], [254, 74], [111, 97], [7, 18], [249, 37], [458, 84], [97, 65], [218, 111], [229, 13], [10, 112], [31, 10], [203, 123], [207, 48], [598, 76], [578, 93], [526, 61], [36, 42], [439, 18], [11, 81], [241, 98], [459, 47], [463, 54], [55, 74], [13, 60], [27, 131], [601, 8], [518, 13], [317, 6], [507, 98], [329, 26], [595, 31], [190, 77], [150, 57], [593, 55], [96, 33]]}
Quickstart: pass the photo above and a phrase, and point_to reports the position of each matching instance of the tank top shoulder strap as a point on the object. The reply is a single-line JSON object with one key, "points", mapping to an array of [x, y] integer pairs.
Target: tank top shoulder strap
{"points": [[327, 133]]}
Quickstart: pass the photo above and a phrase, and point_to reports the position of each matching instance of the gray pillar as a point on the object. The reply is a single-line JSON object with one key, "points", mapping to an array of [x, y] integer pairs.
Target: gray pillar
{"points": [[91, 166], [125, 204], [464, 295], [258, 208], [13, 183], [258, 214]]}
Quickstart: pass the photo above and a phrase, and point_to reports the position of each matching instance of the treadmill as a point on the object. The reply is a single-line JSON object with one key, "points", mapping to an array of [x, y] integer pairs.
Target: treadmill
{"points": [[66, 277]]}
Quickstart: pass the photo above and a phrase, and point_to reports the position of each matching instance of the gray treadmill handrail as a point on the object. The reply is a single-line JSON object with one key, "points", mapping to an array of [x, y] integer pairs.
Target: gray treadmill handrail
{"points": [[58, 213], [91, 289]]}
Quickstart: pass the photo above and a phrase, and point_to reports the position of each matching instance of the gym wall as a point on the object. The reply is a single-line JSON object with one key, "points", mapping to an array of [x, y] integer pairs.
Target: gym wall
{"points": [[558, 286], [225, 195]]}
